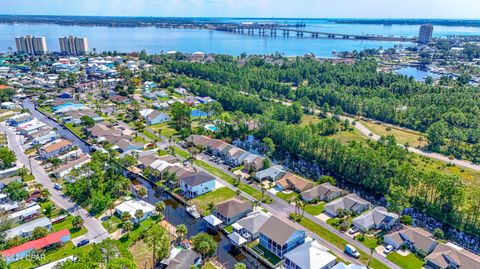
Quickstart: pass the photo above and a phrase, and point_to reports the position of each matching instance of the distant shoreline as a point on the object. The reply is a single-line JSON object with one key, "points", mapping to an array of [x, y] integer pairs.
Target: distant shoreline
{"points": [[202, 22]]}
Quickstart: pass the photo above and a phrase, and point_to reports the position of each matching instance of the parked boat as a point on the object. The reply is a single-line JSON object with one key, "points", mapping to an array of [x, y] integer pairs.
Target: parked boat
{"points": [[192, 210]]}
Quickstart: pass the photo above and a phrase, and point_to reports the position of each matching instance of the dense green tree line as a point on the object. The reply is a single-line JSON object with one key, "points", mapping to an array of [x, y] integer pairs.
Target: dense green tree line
{"points": [[358, 89], [383, 168], [98, 183]]}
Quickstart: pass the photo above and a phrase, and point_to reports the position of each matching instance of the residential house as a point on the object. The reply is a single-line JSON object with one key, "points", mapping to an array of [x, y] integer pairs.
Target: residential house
{"points": [[20, 252], [131, 206], [197, 184], [54, 148], [26, 229], [185, 258], [414, 238], [378, 218], [448, 256], [124, 145], [351, 202], [181, 91], [293, 182], [25, 214], [253, 162], [101, 130], [310, 255], [118, 99], [323, 192], [249, 226], [5, 181], [156, 117], [273, 173], [19, 119], [31, 127], [231, 210], [280, 236], [67, 168]]}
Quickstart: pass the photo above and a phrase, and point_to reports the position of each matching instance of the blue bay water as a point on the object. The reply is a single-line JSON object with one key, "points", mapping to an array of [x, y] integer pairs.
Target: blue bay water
{"points": [[155, 40]]}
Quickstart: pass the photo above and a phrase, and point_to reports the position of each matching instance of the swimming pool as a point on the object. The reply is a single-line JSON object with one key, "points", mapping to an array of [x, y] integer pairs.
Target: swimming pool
{"points": [[211, 127]]}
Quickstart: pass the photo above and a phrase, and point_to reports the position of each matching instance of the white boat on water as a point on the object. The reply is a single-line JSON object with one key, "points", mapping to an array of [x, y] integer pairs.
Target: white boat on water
{"points": [[192, 210]]}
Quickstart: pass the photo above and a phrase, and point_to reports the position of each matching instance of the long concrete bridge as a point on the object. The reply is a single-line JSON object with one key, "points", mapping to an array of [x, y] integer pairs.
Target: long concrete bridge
{"points": [[266, 30]]}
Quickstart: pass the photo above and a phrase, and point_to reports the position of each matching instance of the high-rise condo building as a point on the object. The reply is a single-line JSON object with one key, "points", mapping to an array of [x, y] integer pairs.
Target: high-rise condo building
{"points": [[425, 33], [34, 45], [73, 45]]}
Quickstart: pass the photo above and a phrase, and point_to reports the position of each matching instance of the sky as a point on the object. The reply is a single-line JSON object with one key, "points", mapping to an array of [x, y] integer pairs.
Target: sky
{"points": [[455, 9]]}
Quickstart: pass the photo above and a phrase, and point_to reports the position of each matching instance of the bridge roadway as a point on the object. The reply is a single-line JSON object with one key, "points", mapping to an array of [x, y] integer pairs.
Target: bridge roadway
{"points": [[300, 33]]}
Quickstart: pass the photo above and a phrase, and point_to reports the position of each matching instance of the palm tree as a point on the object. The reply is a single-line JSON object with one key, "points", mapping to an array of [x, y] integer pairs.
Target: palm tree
{"points": [[138, 214], [181, 232], [125, 216], [210, 207], [142, 192], [160, 207], [77, 222], [127, 226], [255, 204]]}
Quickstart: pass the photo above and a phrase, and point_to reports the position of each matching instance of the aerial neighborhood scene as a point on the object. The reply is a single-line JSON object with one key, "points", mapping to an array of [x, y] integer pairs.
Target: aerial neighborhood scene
{"points": [[264, 134]]}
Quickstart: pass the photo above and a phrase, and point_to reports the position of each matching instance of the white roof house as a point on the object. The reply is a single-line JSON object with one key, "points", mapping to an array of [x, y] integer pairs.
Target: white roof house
{"points": [[131, 206], [310, 255], [341, 265], [25, 213], [26, 229]]}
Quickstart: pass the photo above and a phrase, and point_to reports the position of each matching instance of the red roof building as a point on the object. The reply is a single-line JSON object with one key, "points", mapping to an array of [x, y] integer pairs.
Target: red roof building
{"points": [[19, 252]]}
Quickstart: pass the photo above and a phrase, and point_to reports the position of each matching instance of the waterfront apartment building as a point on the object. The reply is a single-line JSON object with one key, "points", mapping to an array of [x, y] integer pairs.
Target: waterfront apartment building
{"points": [[425, 34], [33, 45], [73, 45]]}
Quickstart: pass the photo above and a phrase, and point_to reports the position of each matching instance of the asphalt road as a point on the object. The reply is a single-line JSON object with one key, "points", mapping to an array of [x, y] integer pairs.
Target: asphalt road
{"points": [[96, 233]]}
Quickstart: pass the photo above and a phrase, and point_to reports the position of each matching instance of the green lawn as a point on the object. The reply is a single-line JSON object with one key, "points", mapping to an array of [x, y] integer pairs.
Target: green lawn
{"points": [[75, 129], [149, 135], [209, 265], [229, 229], [67, 224], [265, 253], [346, 137], [401, 135], [240, 167], [114, 223], [406, 262], [181, 153], [315, 209], [53, 255], [166, 130], [138, 230], [287, 196], [216, 196], [338, 242], [369, 241]]}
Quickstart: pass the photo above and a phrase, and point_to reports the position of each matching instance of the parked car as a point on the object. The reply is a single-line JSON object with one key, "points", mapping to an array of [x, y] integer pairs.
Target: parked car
{"points": [[353, 230], [83, 243], [388, 249], [352, 251], [57, 186]]}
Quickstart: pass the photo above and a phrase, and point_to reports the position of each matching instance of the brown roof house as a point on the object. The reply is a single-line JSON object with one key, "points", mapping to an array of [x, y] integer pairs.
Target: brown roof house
{"points": [[280, 236], [323, 192], [413, 238], [231, 210], [351, 202], [446, 256], [293, 182], [55, 148]]}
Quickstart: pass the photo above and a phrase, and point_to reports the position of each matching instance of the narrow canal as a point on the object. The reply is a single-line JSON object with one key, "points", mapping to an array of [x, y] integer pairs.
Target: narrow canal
{"points": [[175, 212]]}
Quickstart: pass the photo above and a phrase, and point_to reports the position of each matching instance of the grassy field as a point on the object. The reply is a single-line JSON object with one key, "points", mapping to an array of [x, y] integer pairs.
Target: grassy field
{"points": [[166, 130], [287, 196], [369, 241], [209, 265], [406, 262], [309, 119], [216, 196], [67, 224], [315, 209], [75, 129], [346, 137], [149, 135], [338, 242], [468, 176], [401, 135], [52, 255], [112, 224], [142, 255], [265, 253], [132, 236]]}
